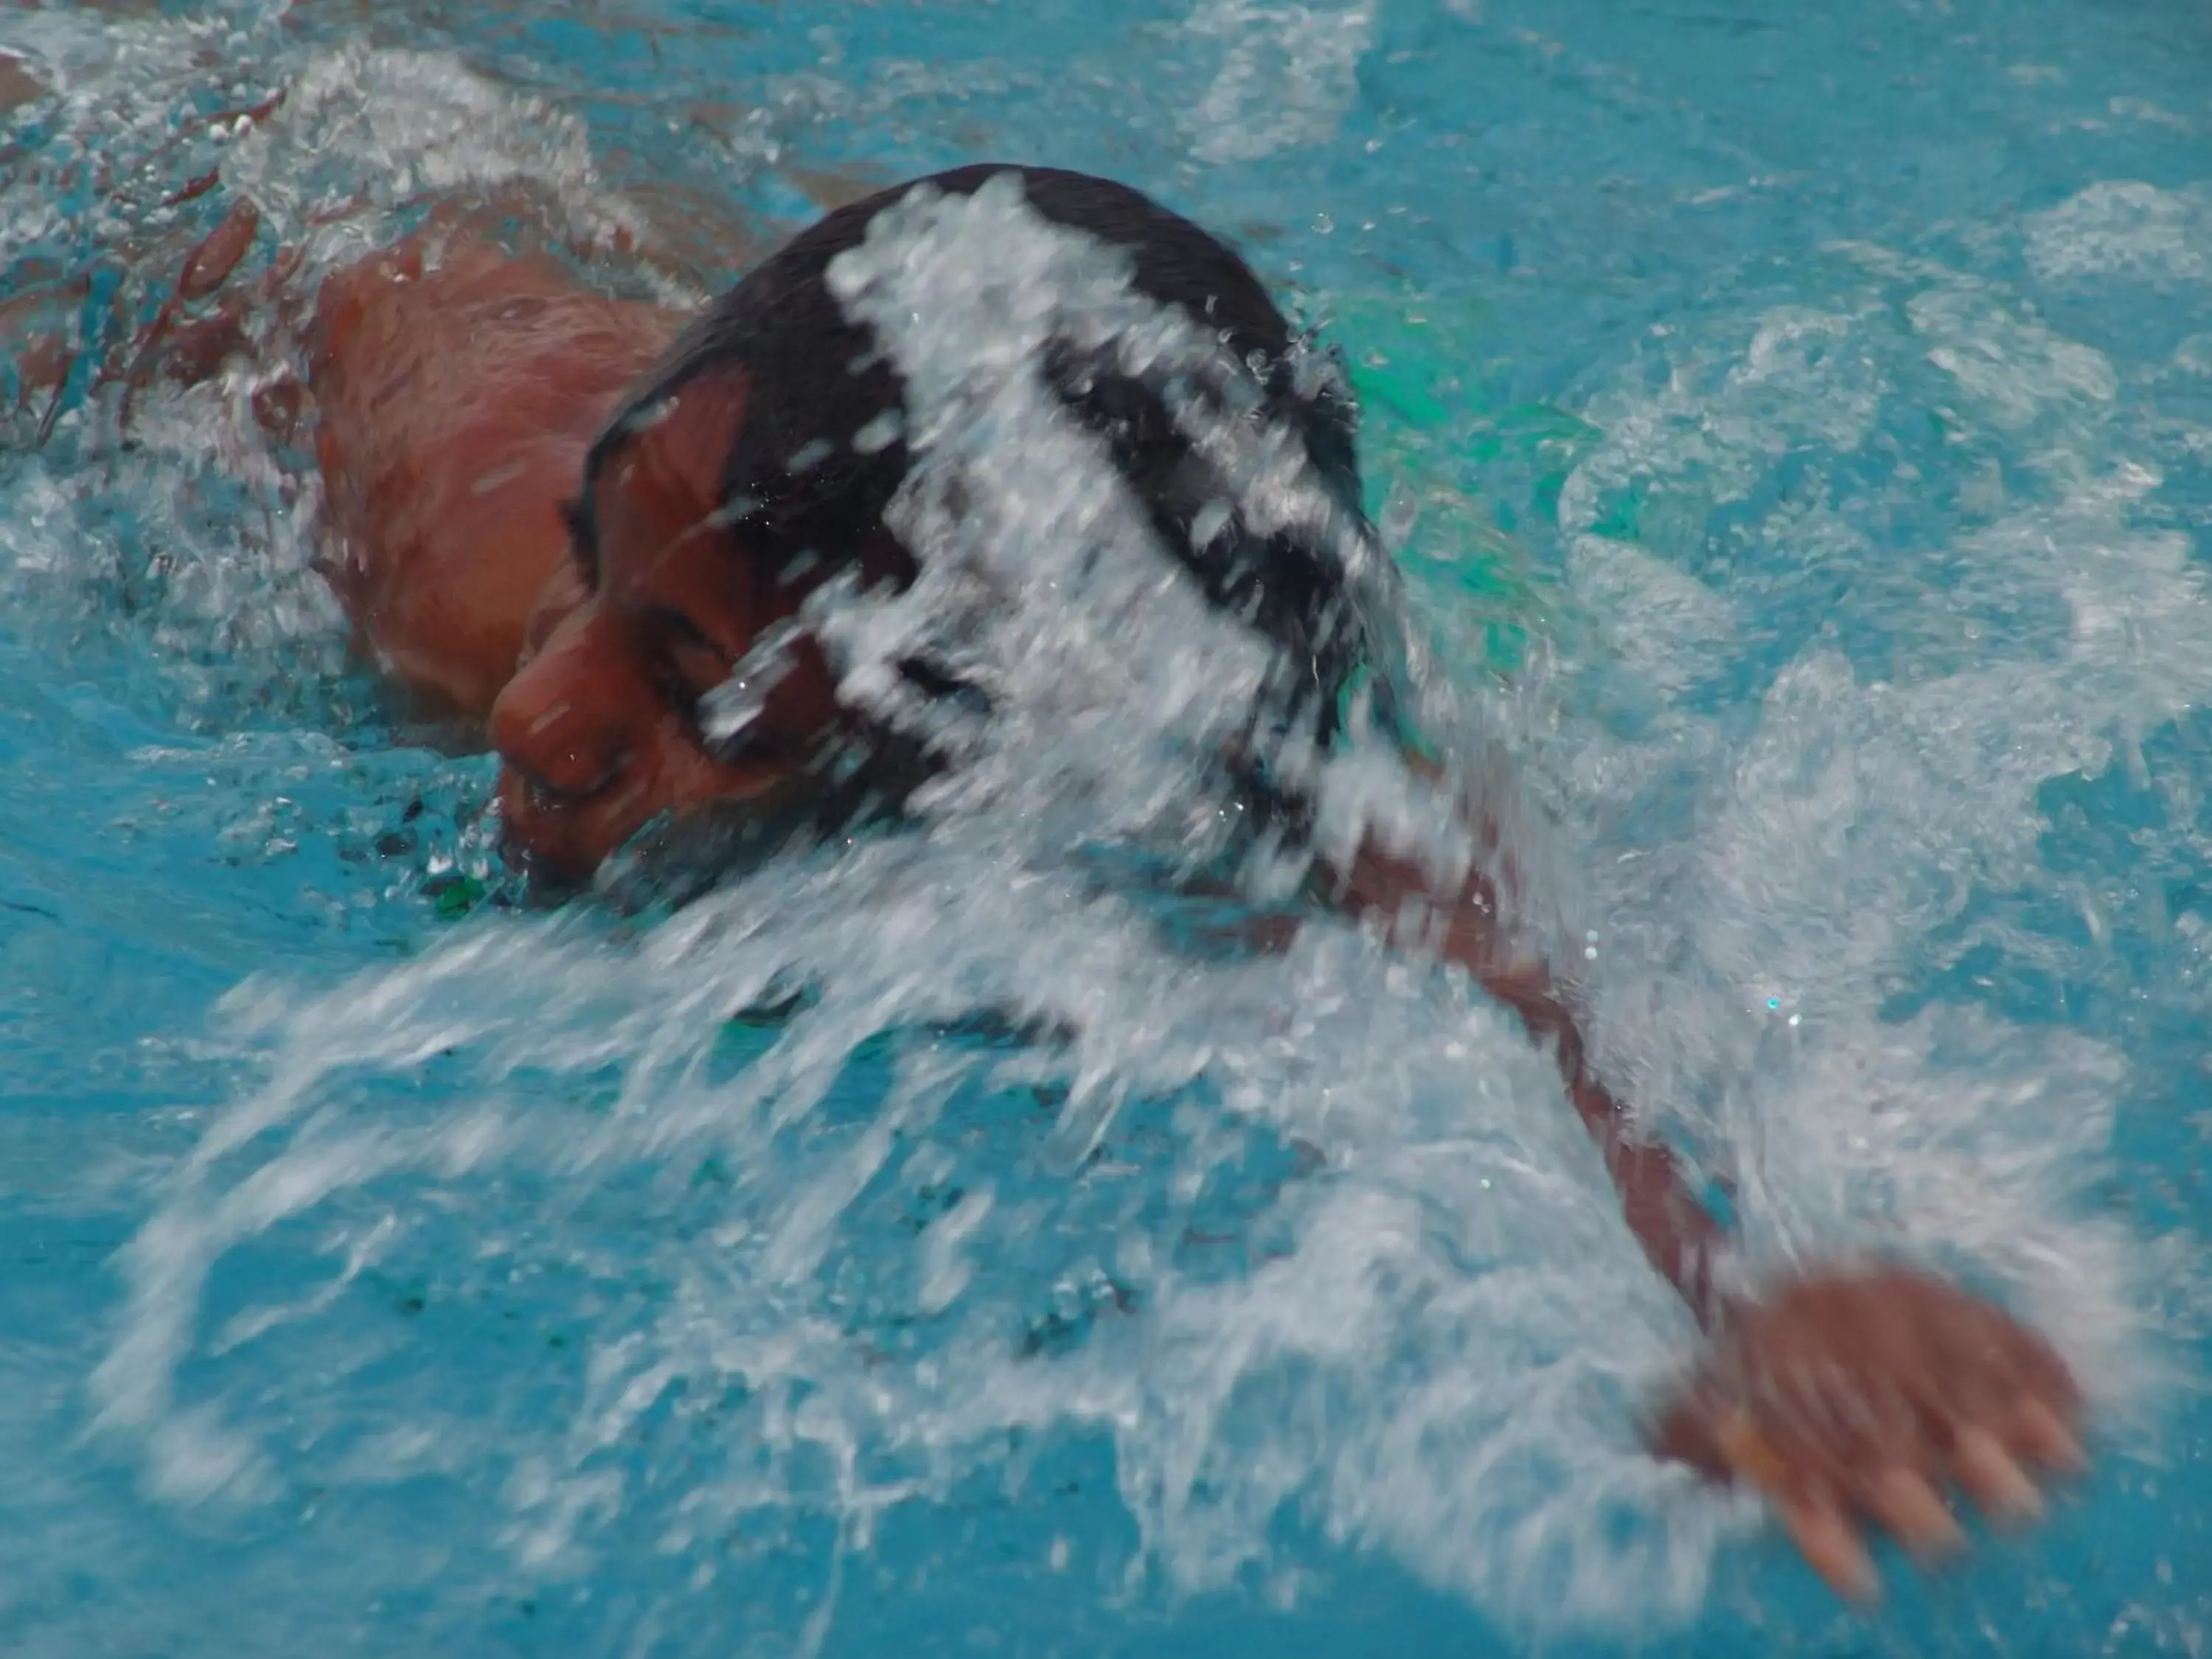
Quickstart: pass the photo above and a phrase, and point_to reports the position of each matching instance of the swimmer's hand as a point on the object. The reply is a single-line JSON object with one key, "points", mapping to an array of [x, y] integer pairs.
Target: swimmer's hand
{"points": [[1857, 1397]]}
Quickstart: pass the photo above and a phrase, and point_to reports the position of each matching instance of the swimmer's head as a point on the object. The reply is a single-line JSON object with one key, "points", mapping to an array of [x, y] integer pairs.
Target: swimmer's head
{"points": [[734, 484], [601, 730], [695, 539]]}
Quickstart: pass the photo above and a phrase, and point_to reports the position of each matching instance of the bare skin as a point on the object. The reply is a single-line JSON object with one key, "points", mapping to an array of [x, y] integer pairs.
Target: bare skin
{"points": [[454, 391], [449, 520]]}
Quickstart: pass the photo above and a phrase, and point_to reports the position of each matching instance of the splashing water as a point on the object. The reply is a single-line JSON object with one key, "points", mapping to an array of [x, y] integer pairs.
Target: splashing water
{"points": [[1436, 1332], [1385, 1249], [962, 1191]]}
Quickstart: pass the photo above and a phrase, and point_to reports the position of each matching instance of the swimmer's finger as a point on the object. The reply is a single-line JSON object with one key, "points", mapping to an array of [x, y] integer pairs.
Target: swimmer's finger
{"points": [[1911, 1511], [1831, 1545], [2039, 1433], [1816, 1523], [1998, 1483], [1750, 1457]]}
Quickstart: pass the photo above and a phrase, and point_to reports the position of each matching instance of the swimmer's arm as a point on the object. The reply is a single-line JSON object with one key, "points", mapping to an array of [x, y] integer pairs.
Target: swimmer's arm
{"points": [[1681, 1238]]}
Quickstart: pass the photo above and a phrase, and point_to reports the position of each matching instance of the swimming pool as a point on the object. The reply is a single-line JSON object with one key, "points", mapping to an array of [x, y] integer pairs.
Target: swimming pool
{"points": [[1797, 431]]}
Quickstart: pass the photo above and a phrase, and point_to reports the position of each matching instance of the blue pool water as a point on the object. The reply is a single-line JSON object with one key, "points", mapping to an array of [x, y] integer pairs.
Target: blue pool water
{"points": [[1797, 431]]}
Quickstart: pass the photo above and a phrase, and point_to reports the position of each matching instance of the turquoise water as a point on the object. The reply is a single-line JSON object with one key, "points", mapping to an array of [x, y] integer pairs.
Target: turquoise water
{"points": [[1797, 432]]}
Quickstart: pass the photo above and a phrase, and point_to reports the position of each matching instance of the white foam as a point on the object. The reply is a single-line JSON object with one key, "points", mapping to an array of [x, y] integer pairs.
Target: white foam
{"points": [[1288, 75], [2122, 227]]}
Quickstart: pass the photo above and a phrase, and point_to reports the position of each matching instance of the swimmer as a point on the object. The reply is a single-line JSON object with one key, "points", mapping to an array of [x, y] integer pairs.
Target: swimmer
{"points": [[569, 518]]}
